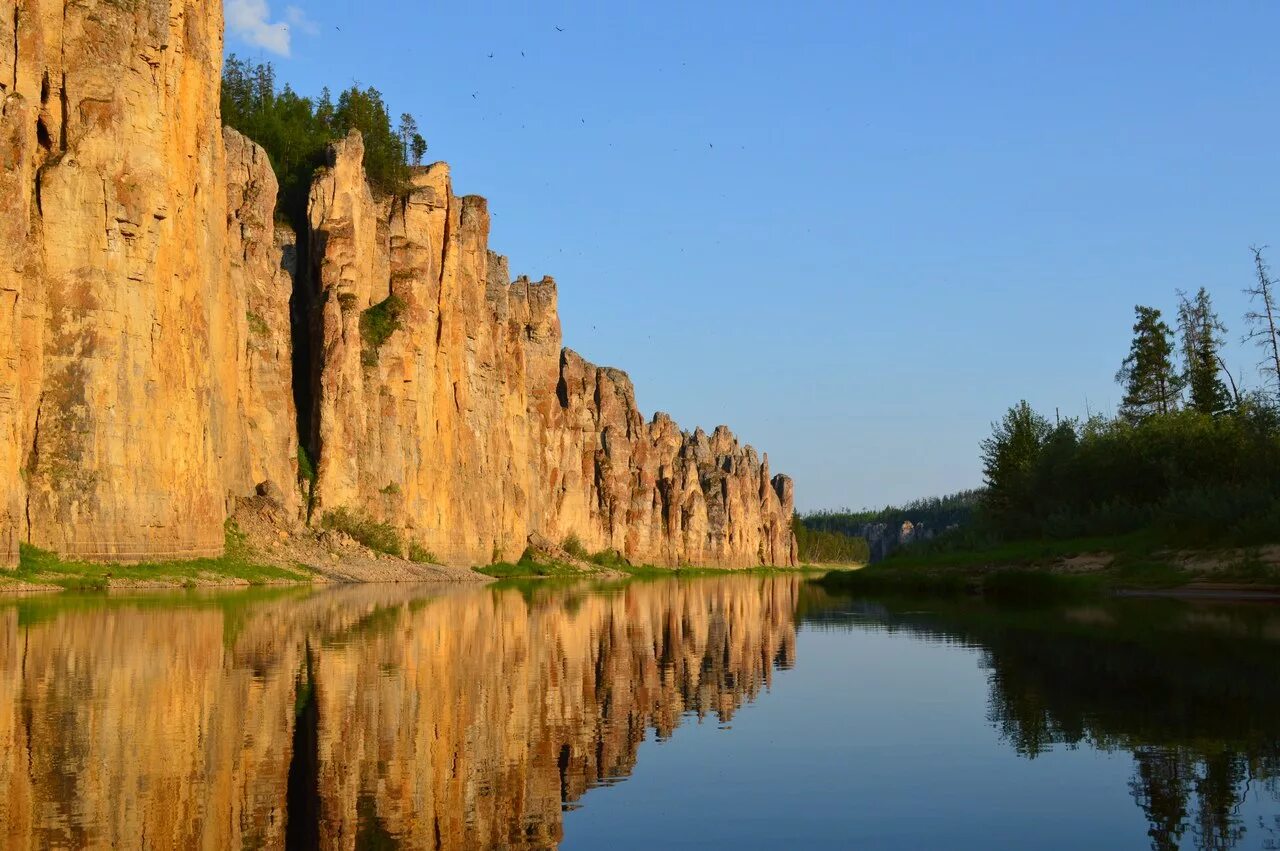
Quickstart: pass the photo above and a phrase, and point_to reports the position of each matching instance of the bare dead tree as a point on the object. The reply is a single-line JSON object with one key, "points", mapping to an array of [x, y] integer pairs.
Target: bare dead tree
{"points": [[1235, 391], [1263, 322]]}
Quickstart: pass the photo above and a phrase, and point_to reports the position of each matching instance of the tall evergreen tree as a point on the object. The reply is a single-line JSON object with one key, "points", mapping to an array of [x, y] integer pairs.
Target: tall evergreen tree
{"points": [[1009, 458], [1151, 383], [1199, 330], [408, 130]]}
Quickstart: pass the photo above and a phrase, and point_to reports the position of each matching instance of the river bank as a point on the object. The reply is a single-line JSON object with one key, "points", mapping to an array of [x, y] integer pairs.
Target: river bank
{"points": [[1139, 564], [262, 549]]}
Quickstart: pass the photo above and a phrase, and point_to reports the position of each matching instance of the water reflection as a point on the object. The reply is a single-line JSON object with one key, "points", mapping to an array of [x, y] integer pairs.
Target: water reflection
{"points": [[1190, 691], [361, 717]]}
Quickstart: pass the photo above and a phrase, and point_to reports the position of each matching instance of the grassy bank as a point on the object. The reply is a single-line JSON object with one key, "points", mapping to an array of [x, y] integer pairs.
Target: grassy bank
{"points": [[1070, 568], [236, 567], [610, 563]]}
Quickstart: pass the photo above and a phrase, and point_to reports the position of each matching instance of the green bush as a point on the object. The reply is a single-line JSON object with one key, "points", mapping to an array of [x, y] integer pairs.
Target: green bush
{"points": [[306, 470], [609, 558], [573, 546], [421, 555], [379, 537], [377, 324]]}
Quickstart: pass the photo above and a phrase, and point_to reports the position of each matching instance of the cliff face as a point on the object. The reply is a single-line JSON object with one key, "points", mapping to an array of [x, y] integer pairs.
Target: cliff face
{"points": [[146, 361], [470, 428]]}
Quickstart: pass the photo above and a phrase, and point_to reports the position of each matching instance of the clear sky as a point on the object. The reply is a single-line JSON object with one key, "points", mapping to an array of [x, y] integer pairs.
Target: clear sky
{"points": [[854, 232]]}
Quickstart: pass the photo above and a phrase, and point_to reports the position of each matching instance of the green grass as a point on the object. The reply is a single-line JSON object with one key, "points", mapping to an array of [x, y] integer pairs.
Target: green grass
{"points": [[41, 567], [1028, 570], [524, 569]]}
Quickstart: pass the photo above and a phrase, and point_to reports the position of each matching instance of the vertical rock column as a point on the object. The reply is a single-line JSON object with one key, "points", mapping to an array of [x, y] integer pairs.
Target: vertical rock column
{"points": [[255, 410], [123, 269]]}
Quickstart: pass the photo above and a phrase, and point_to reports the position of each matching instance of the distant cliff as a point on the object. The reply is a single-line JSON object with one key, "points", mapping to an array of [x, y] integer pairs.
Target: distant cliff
{"points": [[166, 347]]}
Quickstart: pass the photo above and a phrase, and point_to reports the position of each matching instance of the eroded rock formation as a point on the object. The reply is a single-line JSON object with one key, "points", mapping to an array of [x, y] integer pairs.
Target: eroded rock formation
{"points": [[470, 428], [147, 369]]}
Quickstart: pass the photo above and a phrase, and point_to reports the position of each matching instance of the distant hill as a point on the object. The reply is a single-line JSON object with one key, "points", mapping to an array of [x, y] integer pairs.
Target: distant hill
{"points": [[887, 529]]}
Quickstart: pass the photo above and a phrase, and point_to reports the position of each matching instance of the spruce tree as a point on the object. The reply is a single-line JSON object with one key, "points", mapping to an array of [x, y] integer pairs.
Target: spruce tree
{"points": [[1200, 330], [1151, 384], [1009, 457]]}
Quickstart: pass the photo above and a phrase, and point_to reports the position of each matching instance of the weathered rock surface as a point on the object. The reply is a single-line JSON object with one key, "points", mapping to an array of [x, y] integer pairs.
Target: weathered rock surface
{"points": [[468, 426], [146, 345], [145, 374], [113, 245], [259, 449]]}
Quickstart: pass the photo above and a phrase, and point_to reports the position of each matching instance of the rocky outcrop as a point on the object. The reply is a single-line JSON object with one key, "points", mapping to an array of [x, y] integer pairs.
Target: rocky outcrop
{"points": [[145, 375], [445, 405], [259, 447], [147, 371], [112, 239]]}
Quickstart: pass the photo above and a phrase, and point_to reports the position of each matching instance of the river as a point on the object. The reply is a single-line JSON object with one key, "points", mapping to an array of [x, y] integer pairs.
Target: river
{"points": [[738, 711]]}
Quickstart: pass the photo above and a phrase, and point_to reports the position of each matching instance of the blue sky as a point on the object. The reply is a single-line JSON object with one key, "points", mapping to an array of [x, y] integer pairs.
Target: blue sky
{"points": [[854, 232]]}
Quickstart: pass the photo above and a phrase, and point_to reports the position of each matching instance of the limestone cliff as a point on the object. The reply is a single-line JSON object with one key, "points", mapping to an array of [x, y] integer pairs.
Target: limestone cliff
{"points": [[147, 364], [446, 406]]}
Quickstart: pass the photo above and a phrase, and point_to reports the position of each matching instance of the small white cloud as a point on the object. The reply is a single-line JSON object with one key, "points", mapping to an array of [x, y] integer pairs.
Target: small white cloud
{"points": [[298, 19], [250, 19]]}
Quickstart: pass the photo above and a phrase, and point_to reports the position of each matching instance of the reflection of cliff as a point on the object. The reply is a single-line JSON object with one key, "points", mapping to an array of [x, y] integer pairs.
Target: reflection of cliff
{"points": [[459, 721], [1190, 692]]}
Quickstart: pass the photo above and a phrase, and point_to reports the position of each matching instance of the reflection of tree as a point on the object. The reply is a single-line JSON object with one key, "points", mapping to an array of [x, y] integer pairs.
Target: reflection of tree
{"points": [[1218, 824], [1189, 691], [1161, 785]]}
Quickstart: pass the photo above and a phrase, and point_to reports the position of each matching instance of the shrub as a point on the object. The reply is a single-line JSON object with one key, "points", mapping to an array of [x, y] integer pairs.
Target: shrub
{"points": [[421, 555], [306, 470], [379, 537], [377, 324], [573, 546]]}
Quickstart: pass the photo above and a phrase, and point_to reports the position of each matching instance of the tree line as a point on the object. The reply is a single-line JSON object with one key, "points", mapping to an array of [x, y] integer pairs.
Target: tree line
{"points": [[1188, 452], [828, 547], [295, 131], [936, 512]]}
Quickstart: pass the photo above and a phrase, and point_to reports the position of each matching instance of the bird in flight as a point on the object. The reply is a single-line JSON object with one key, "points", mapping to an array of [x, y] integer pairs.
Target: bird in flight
{"points": [[559, 29], [490, 55], [473, 95]]}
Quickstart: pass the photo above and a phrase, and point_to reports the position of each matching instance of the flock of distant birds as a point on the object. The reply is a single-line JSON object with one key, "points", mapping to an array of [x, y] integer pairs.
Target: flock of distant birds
{"points": [[476, 94]]}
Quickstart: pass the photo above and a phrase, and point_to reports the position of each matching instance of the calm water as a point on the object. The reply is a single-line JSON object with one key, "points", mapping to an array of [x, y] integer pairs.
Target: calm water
{"points": [[739, 712]]}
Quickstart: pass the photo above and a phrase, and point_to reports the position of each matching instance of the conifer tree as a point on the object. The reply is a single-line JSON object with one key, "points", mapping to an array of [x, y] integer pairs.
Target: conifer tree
{"points": [[1151, 384], [1199, 329]]}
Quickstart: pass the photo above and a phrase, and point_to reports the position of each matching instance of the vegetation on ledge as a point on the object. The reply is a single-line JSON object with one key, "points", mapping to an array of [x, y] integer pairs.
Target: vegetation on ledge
{"points": [[295, 131], [236, 566]]}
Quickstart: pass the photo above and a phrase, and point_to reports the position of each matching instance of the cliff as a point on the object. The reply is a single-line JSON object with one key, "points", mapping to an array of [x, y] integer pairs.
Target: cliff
{"points": [[156, 327], [468, 425]]}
